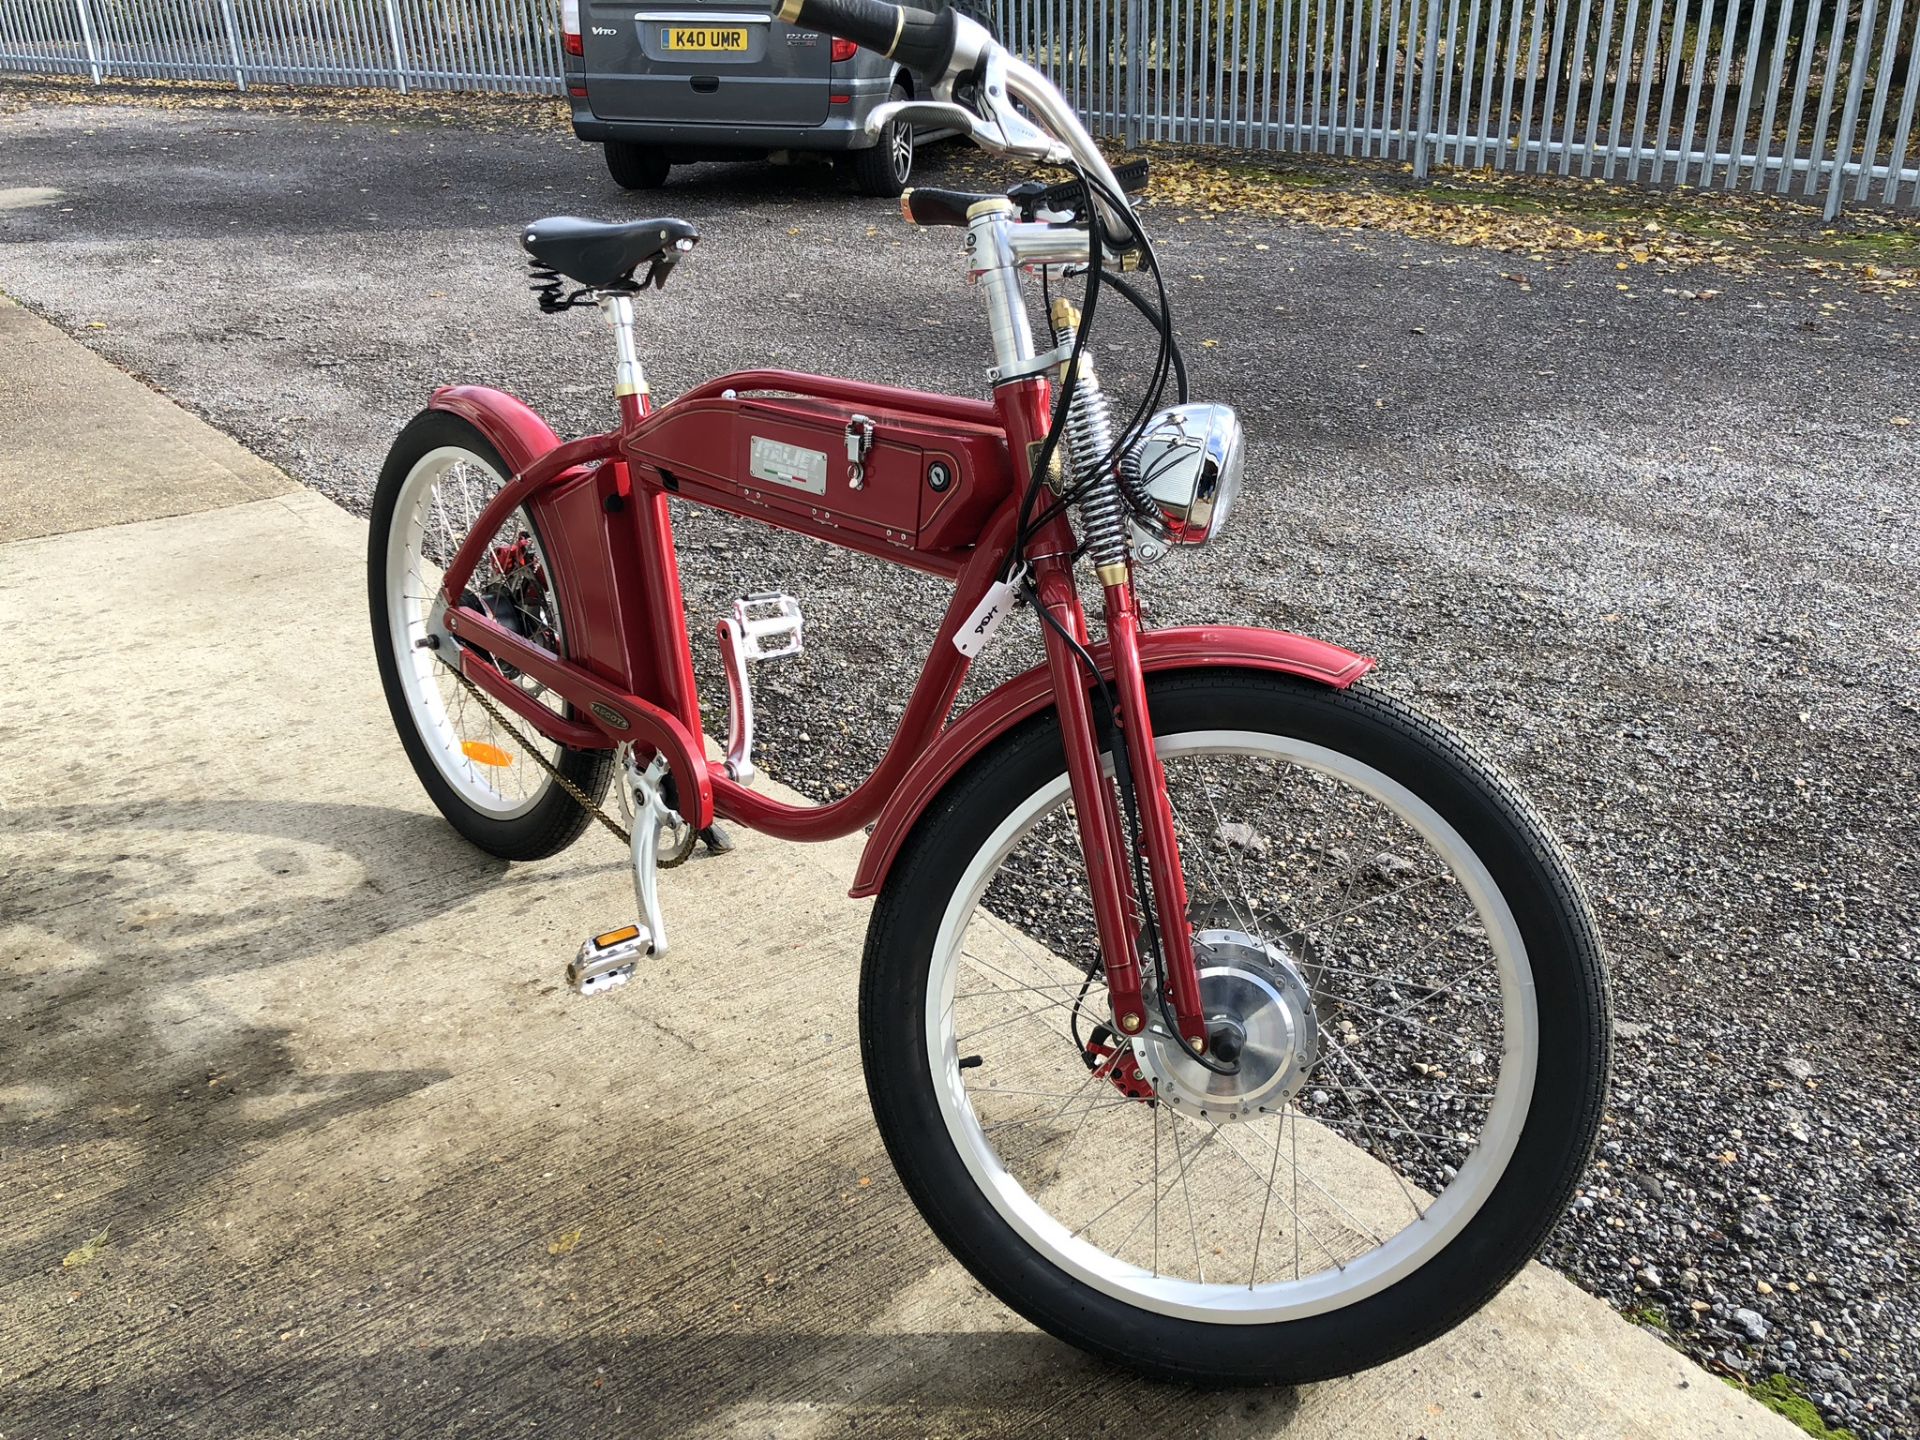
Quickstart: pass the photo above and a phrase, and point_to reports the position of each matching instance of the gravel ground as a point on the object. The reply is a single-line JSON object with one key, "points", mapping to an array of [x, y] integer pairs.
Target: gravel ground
{"points": [[1655, 555]]}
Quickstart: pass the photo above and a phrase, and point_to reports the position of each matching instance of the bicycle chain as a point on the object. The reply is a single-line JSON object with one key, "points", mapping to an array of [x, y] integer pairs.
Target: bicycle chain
{"points": [[666, 860]]}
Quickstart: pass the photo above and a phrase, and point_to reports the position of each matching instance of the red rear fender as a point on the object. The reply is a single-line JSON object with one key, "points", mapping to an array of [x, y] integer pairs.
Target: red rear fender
{"points": [[509, 424], [1184, 648]]}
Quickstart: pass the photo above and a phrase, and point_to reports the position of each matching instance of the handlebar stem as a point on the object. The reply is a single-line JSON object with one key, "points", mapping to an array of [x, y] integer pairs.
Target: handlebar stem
{"points": [[1043, 244], [994, 267]]}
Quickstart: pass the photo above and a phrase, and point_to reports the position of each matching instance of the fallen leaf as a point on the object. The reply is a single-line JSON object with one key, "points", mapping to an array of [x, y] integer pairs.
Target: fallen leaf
{"points": [[87, 1253], [564, 1245]]}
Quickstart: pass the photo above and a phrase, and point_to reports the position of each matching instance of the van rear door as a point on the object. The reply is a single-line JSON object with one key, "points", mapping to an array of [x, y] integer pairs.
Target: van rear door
{"points": [[702, 62]]}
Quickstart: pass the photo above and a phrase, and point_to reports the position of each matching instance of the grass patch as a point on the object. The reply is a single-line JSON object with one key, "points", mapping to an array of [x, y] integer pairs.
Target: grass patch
{"points": [[1785, 1398], [1651, 1316], [1497, 199], [1894, 247]]}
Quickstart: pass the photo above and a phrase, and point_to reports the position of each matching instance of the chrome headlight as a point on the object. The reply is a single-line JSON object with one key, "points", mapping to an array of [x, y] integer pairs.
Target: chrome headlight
{"points": [[1185, 470]]}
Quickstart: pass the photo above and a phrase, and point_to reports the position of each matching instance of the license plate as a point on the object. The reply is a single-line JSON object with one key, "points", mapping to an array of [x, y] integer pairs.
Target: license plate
{"points": [[704, 39]]}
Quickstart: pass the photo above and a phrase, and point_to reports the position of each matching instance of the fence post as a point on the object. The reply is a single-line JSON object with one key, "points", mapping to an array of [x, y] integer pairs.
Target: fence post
{"points": [[1850, 112], [1135, 49], [1429, 58], [86, 31], [399, 48], [233, 44]]}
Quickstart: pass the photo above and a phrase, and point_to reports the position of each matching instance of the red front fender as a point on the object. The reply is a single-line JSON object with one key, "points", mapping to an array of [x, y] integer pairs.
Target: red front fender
{"points": [[1183, 648]]}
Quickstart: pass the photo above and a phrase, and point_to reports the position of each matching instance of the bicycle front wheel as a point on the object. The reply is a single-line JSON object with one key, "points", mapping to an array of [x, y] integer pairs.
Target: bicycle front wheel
{"points": [[1402, 975]]}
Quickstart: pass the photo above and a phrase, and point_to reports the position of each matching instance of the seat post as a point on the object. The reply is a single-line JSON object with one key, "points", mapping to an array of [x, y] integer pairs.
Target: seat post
{"points": [[628, 377]]}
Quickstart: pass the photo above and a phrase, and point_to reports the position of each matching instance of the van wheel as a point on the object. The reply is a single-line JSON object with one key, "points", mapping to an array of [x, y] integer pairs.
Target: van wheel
{"points": [[636, 167], [882, 170]]}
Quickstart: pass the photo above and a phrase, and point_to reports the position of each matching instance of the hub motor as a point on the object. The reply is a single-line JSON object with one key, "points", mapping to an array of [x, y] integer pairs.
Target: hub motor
{"points": [[1260, 1017]]}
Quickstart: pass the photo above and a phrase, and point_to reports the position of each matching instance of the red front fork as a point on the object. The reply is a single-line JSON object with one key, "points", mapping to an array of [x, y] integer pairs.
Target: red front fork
{"points": [[1157, 833], [1026, 412], [1099, 816]]}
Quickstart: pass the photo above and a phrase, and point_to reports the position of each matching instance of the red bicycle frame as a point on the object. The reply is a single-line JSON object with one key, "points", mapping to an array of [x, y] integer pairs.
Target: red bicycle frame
{"points": [[599, 506]]}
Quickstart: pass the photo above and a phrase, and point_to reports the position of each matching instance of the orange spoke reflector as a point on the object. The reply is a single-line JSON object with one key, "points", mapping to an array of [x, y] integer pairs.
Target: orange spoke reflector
{"points": [[482, 753]]}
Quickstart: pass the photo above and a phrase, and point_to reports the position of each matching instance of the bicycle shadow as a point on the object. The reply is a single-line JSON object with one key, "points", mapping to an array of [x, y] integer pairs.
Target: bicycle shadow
{"points": [[119, 927], [791, 1383]]}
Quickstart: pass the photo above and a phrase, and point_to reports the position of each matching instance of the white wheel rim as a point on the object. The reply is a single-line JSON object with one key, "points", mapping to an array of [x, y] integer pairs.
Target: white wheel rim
{"points": [[412, 581], [1236, 1303]]}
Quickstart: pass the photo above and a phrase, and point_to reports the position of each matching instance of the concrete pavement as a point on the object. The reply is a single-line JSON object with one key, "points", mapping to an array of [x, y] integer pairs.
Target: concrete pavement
{"points": [[298, 1062], [88, 445]]}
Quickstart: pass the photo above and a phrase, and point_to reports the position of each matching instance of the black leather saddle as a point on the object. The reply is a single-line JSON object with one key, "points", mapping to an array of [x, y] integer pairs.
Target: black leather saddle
{"points": [[604, 256]]}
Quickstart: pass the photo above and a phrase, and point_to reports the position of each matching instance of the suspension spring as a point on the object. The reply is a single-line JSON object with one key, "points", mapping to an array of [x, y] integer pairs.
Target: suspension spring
{"points": [[1089, 437]]}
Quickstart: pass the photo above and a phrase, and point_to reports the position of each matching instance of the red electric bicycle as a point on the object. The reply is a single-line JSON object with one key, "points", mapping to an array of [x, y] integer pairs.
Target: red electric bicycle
{"points": [[1221, 1014]]}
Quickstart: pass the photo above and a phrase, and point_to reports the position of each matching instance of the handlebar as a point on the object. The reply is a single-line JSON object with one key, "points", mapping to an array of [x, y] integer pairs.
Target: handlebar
{"points": [[1062, 203], [921, 40]]}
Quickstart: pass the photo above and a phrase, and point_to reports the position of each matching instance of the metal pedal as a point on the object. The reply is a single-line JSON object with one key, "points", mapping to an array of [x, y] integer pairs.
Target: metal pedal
{"points": [[770, 625], [762, 627], [606, 961]]}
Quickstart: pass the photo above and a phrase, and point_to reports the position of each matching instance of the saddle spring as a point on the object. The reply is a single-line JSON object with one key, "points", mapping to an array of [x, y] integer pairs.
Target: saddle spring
{"points": [[548, 284]]}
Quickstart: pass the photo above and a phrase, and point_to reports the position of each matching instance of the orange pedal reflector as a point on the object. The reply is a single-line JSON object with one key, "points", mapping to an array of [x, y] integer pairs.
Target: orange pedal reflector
{"points": [[482, 753], [614, 937]]}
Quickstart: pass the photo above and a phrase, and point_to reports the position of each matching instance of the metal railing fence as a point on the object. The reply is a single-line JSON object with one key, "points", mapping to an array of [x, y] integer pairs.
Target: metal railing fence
{"points": [[1808, 98], [510, 45], [1813, 99]]}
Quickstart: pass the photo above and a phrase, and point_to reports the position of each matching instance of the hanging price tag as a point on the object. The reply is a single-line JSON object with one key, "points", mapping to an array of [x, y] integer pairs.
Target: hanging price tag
{"points": [[977, 632]]}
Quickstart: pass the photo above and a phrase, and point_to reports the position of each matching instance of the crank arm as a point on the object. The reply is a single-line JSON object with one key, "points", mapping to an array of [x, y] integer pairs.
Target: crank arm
{"points": [[648, 815], [740, 711], [645, 854]]}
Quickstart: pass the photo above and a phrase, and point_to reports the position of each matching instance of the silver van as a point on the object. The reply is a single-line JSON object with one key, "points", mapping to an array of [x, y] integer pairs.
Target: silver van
{"points": [[660, 84]]}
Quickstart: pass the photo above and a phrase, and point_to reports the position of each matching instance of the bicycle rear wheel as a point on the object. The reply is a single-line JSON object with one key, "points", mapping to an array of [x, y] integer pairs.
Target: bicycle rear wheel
{"points": [[439, 475]]}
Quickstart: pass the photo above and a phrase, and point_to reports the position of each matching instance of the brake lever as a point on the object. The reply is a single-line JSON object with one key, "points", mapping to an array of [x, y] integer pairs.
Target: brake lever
{"points": [[933, 114], [1002, 130], [990, 135]]}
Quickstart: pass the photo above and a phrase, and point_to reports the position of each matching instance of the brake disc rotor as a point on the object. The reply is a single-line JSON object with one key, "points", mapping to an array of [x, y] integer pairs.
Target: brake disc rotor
{"points": [[1259, 1006]]}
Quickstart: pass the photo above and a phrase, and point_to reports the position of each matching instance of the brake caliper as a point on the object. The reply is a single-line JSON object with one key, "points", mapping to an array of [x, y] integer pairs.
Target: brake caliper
{"points": [[519, 568], [1112, 1059]]}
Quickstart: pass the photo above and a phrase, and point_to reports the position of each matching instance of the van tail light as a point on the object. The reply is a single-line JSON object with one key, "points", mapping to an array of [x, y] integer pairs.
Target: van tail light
{"points": [[570, 27], [843, 50]]}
